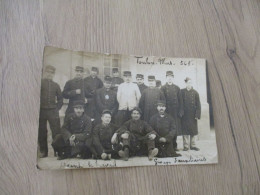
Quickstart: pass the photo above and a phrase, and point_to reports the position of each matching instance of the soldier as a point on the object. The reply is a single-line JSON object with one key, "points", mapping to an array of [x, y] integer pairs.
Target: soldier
{"points": [[75, 89], [158, 84], [136, 136], [174, 103], [51, 103], [92, 83], [192, 112], [140, 82], [116, 80], [102, 135], [149, 99], [106, 99], [128, 96], [76, 134], [164, 126]]}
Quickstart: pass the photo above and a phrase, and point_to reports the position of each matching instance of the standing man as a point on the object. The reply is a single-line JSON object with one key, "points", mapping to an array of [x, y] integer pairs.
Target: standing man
{"points": [[192, 112], [75, 89], [128, 96], [140, 82], [174, 103], [106, 99], [137, 137], [164, 126], [158, 84], [93, 83], [116, 80], [102, 135], [51, 103], [149, 99]]}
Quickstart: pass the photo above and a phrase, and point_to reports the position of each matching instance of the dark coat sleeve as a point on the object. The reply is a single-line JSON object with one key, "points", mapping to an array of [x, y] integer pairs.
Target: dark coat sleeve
{"points": [[172, 132], [66, 134], [180, 100], [96, 140], [100, 106], [198, 106], [59, 97], [148, 129], [86, 132], [141, 102], [100, 84], [67, 93]]}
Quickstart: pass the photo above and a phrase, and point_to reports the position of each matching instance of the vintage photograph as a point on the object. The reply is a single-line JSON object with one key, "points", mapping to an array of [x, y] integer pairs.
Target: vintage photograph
{"points": [[111, 110]]}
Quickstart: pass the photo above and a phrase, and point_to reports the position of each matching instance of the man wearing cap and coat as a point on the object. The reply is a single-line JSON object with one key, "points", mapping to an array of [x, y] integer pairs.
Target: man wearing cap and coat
{"points": [[92, 83], [174, 103], [51, 103], [164, 125], [75, 89], [140, 82], [149, 99], [116, 80], [76, 134], [192, 112], [128, 96], [137, 137], [106, 99]]}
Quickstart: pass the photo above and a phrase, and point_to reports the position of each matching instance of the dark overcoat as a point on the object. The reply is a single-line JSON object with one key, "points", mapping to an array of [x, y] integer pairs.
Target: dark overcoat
{"points": [[142, 87], [174, 103], [192, 110], [148, 102]]}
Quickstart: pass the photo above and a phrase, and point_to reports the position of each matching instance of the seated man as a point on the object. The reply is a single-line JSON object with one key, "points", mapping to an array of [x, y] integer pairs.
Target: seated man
{"points": [[76, 134], [165, 128], [102, 135], [136, 136]]}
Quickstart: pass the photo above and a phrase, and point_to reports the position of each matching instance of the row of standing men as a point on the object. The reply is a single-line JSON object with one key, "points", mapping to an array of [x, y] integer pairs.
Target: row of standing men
{"points": [[120, 96]]}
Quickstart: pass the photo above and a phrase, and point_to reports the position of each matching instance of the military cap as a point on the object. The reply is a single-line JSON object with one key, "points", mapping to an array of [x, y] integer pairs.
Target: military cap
{"points": [[141, 76], [107, 112], [78, 103], [108, 78], [79, 68], [187, 79], [137, 109], [169, 73], [115, 70], [127, 73], [158, 83], [94, 69], [161, 103], [151, 78], [50, 68]]}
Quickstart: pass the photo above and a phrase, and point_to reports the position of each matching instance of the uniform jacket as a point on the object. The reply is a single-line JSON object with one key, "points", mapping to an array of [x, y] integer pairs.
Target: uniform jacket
{"points": [[128, 96], [51, 96], [163, 126], [192, 110], [174, 103], [148, 102], [106, 99], [79, 126]]}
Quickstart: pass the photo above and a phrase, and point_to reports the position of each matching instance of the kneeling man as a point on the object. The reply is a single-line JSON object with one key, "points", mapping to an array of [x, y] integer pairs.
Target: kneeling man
{"points": [[136, 136], [165, 128], [102, 135]]}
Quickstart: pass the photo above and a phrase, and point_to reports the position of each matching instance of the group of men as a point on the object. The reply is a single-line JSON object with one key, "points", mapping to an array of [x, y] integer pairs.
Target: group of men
{"points": [[117, 118]]}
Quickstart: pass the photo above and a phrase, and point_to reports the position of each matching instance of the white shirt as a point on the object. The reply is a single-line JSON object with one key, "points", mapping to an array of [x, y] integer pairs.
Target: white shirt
{"points": [[128, 96]]}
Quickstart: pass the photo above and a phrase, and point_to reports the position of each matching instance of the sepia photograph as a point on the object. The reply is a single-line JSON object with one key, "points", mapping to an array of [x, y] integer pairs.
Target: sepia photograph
{"points": [[116, 110]]}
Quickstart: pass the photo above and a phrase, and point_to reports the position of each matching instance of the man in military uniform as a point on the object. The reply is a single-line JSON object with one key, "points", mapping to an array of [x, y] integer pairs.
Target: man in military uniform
{"points": [[76, 134], [106, 99], [116, 80], [93, 83], [140, 82], [128, 96], [174, 103], [164, 126], [136, 136], [75, 89], [102, 135], [149, 99], [51, 103], [192, 112], [158, 84]]}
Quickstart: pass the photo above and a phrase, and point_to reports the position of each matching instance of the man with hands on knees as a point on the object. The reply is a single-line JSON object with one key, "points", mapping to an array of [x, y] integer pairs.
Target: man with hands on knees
{"points": [[137, 137]]}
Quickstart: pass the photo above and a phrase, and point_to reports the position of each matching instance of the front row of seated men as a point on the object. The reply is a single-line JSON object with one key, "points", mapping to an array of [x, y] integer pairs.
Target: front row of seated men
{"points": [[134, 138]]}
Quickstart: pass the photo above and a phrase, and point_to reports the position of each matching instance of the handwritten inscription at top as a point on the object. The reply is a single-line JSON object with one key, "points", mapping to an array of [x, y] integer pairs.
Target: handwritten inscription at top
{"points": [[162, 61]]}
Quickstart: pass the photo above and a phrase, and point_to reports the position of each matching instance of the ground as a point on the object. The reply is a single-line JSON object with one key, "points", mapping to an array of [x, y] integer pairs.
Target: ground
{"points": [[207, 154]]}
